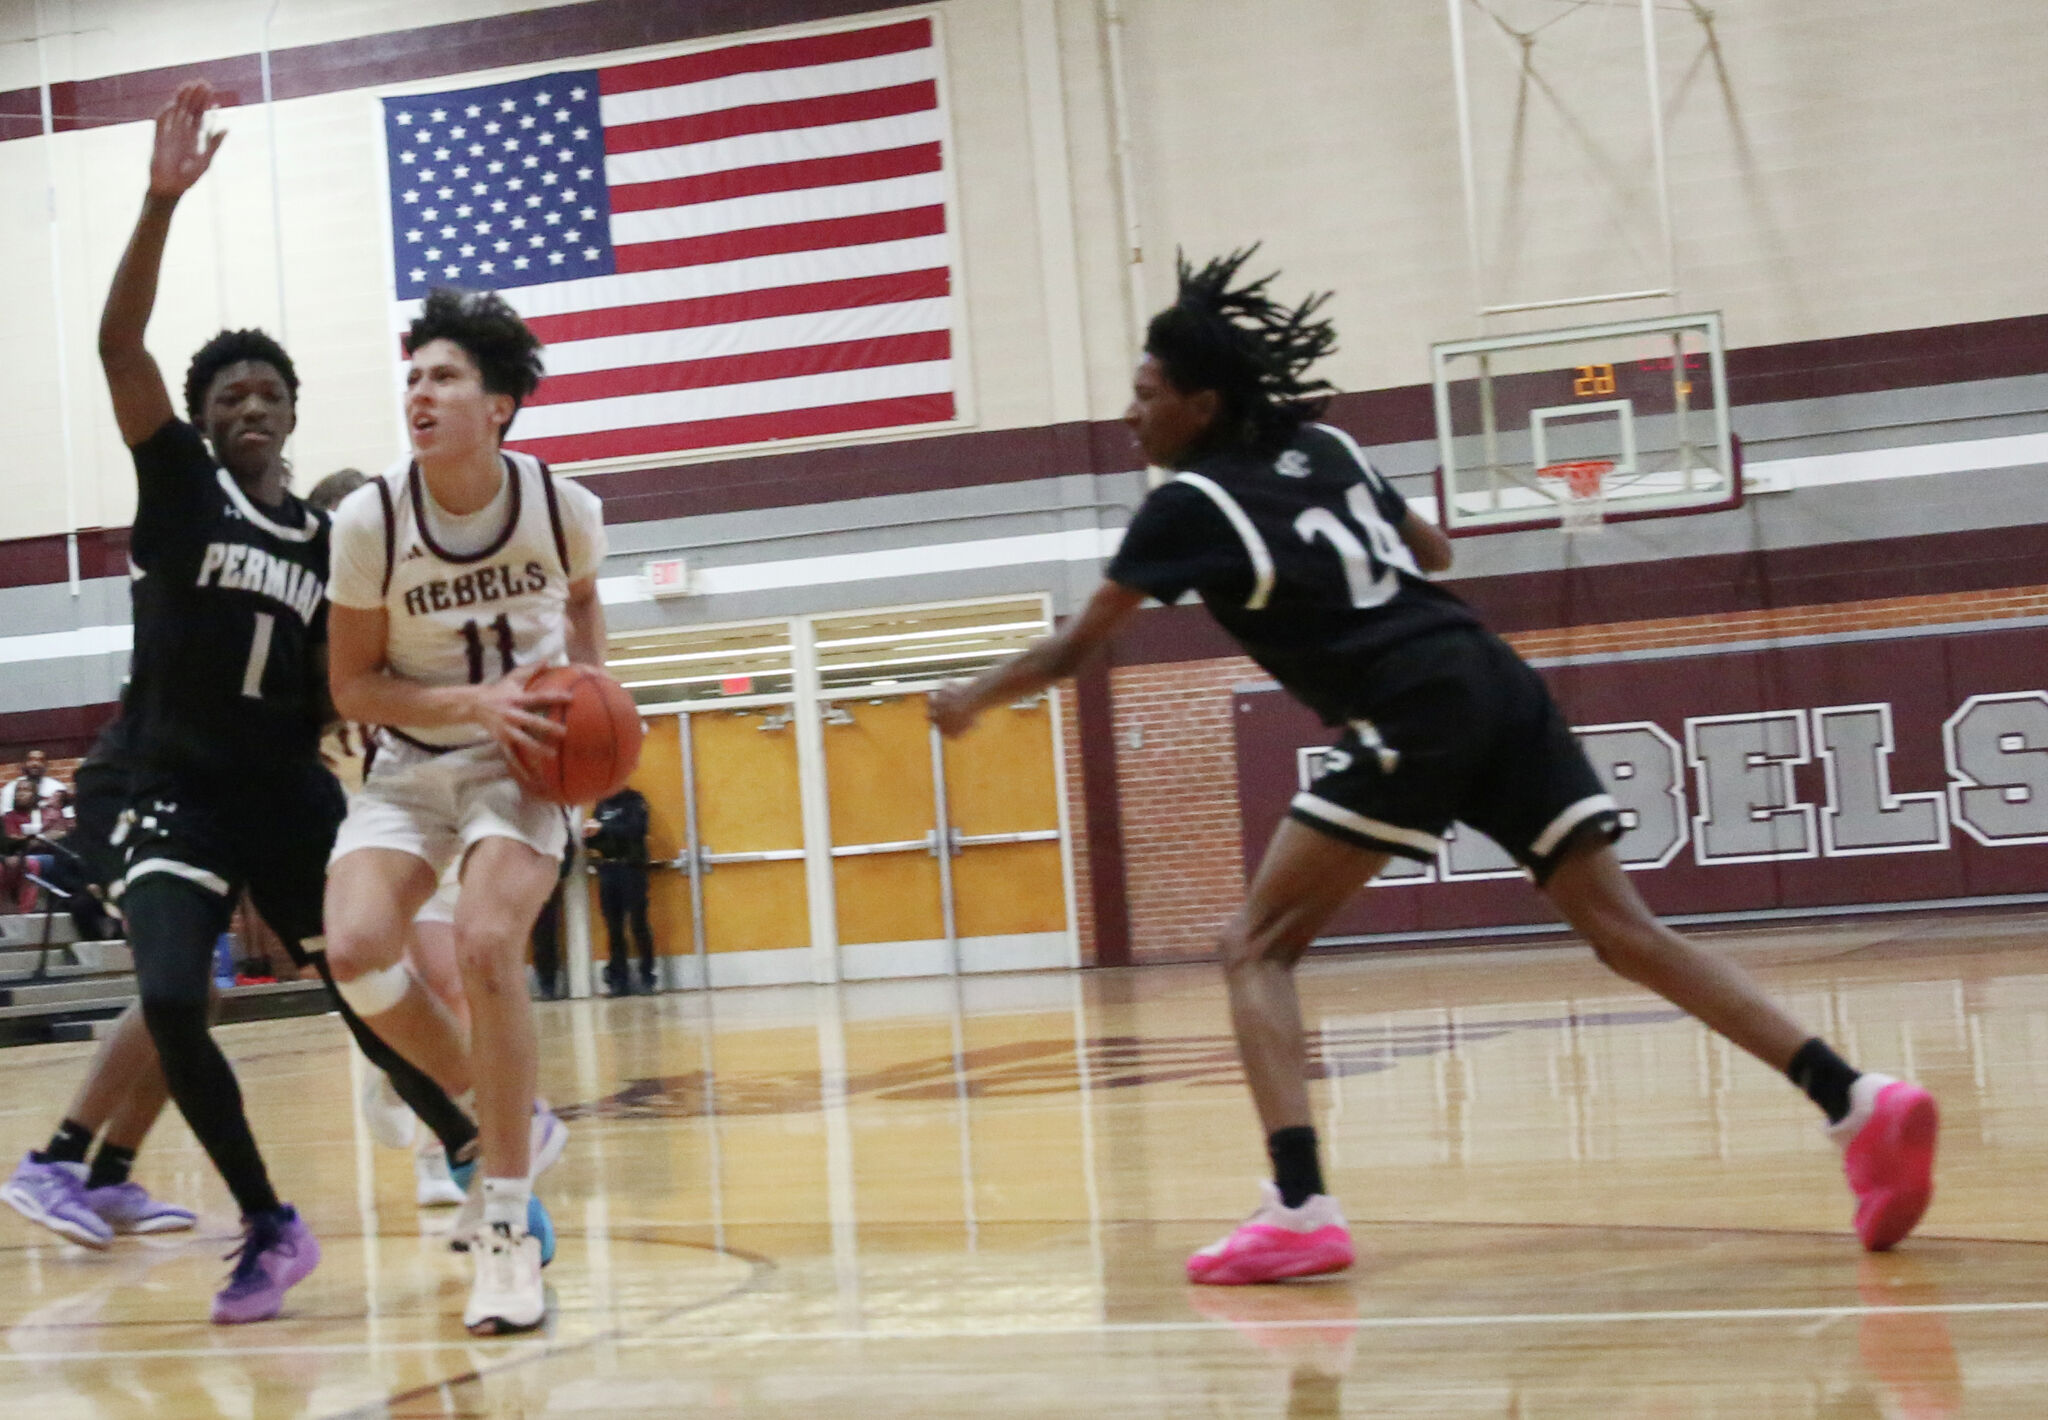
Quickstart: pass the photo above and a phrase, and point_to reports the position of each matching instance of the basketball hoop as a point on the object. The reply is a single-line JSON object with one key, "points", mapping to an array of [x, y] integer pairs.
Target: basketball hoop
{"points": [[1584, 505]]}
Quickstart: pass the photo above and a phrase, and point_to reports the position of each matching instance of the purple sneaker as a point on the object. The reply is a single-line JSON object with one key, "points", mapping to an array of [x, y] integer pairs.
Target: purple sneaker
{"points": [[277, 1250], [53, 1194], [128, 1208]]}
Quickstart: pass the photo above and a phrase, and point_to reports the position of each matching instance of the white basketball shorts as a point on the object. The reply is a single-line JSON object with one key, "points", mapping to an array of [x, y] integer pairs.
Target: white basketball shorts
{"points": [[439, 806]]}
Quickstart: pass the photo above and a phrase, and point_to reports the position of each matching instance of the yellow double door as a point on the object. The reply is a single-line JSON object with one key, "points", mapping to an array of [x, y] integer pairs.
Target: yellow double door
{"points": [[1001, 888]]}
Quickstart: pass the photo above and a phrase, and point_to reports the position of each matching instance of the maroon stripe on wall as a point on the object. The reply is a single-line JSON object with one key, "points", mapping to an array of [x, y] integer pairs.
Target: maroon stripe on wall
{"points": [[65, 732], [39, 561], [1983, 559], [1864, 363], [408, 56]]}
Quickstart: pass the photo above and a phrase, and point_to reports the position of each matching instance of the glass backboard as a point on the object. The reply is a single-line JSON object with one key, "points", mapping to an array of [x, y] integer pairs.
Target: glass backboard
{"points": [[1649, 397]]}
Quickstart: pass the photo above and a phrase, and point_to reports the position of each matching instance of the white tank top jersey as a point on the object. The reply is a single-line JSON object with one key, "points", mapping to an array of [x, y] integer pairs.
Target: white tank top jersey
{"points": [[469, 598]]}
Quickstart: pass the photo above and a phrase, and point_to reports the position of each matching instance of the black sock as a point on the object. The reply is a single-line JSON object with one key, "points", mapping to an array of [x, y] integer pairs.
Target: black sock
{"points": [[1825, 1076], [66, 1146], [110, 1166], [1295, 1169]]}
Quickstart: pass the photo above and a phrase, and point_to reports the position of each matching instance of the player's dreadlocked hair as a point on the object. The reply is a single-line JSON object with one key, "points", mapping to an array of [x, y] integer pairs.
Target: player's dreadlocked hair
{"points": [[1253, 351], [507, 354], [231, 347]]}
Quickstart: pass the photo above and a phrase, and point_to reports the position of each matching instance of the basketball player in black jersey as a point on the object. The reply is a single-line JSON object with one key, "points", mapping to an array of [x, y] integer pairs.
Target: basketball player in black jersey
{"points": [[225, 706], [1314, 564]]}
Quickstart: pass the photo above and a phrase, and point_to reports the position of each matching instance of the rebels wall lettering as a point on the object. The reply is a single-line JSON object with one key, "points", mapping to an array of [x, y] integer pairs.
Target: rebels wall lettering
{"points": [[1742, 803]]}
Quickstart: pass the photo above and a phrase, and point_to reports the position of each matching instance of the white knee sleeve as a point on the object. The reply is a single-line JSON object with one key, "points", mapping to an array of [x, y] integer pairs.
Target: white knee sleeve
{"points": [[375, 992]]}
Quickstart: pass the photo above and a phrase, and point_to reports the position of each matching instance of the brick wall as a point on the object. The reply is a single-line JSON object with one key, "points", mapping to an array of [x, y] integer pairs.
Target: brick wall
{"points": [[1177, 784], [1943, 609], [1176, 753]]}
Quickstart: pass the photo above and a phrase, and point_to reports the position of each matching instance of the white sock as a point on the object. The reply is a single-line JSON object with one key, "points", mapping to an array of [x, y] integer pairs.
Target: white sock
{"points": [[505, 1202]]}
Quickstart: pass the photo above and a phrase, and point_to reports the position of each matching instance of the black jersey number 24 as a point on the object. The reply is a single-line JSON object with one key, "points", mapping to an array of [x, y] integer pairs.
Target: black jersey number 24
{"points": [[473, 646], [1368, 572]]}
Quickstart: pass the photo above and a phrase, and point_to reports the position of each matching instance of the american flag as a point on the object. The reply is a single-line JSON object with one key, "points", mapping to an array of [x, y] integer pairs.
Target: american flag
{"points": [[730, 246]]}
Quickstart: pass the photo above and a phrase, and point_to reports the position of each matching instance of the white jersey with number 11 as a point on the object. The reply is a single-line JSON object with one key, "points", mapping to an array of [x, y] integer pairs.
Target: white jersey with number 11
{"points": [[469, 598]]}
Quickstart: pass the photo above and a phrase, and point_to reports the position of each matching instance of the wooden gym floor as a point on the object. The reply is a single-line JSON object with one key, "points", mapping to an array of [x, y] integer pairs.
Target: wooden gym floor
{"points": [[913, 1199]]}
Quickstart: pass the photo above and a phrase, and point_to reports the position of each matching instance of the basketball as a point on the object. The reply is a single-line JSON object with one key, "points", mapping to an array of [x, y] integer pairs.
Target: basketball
{"points": [[600, 742]]}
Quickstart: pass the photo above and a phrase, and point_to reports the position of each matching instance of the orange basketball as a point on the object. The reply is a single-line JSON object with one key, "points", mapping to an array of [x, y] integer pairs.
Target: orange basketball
{"points": [[600, 743]]}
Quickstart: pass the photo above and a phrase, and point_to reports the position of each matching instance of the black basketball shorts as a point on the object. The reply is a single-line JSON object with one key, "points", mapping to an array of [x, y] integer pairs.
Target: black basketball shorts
{"points": [[1455, 727], [268, 830]]}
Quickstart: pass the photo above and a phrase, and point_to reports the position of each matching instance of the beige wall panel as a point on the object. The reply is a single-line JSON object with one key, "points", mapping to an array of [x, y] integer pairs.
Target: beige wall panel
{"points": [[1864, 168], [1838, 167], [33, 472], [997, 218]]}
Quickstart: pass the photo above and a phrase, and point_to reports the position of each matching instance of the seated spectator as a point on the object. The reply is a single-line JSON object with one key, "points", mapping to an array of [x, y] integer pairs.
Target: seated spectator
{"points": [[33, 809], [43, 798]]}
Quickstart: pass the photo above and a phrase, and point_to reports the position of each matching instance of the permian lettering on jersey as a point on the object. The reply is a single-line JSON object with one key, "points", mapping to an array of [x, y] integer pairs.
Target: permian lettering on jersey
{"points": [[239, 567], [485, 584]]}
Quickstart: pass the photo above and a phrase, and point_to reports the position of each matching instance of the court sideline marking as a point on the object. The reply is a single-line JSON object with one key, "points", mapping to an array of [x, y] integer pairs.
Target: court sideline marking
{"points": [[527, 1351]]}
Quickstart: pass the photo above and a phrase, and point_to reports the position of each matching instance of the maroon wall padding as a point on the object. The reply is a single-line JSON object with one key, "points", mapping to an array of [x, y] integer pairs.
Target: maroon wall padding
{"points": [[65, 733], [1924, 680], [1107, 885]]}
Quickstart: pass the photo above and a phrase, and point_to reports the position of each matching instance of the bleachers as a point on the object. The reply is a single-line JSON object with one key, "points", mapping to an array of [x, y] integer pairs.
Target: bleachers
{"points": [[57, 987]]}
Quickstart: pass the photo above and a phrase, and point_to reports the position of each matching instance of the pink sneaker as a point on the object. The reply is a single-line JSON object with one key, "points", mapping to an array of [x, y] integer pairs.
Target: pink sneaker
{"points": [[1277, 1242], [1887, 1141]]}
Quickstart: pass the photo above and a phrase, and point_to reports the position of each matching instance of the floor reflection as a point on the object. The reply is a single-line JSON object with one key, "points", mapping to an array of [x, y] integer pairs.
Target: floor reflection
{"points": [[974, 1197]]}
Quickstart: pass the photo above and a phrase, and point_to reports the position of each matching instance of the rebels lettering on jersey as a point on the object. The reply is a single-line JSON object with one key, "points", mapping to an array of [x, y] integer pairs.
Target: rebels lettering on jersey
{"points": [[486, 584], [1298, 555], [229, 600], [239, 567], [473, 598]]}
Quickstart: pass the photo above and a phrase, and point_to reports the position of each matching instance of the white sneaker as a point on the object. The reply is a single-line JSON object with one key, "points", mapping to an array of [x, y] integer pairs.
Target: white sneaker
{"points": [[437, 1188], [390, 1121], [544, 1144], [508, 1295]]}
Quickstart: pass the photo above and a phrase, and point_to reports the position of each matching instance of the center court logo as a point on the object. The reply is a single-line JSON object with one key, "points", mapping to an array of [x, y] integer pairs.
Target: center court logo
{"points": [[1051, 1067]]}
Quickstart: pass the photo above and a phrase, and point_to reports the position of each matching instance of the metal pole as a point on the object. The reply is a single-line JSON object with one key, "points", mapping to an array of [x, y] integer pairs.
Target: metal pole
{"points": [[693, 853], [1489, 431], [61, 349], [1656, 92], [1466, 163], [943, 842], [822, 905], [1126, 172], [276, 189]]}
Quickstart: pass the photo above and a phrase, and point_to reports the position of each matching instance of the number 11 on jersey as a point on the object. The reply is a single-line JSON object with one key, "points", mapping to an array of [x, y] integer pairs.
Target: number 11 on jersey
{"points": [[473, 647]]}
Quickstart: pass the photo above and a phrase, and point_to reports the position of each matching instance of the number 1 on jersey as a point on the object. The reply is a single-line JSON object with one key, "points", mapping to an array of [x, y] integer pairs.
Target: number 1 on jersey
{"points": [[473, 646], [259, 655]]}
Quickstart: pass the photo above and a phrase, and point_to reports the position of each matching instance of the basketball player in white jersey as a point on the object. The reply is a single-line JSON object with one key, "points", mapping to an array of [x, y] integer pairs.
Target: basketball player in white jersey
{"points": [[457, 575]]}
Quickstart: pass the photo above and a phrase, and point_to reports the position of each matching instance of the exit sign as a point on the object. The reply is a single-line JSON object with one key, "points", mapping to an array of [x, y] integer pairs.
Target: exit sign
{"points": [[668, 577]]}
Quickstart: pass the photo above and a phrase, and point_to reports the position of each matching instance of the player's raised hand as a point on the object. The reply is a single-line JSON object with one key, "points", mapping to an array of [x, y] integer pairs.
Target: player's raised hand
{"points": [[183, 151]]}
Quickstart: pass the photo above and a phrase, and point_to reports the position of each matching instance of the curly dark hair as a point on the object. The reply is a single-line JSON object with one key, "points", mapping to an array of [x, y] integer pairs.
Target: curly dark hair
{"points": [[326, 495], [1253, 351], [484, 324], [231, 347]]}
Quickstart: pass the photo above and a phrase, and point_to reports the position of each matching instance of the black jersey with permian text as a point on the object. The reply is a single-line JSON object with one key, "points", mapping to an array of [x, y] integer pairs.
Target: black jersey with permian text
{"points": [[230, 600], [1298, 555]]}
